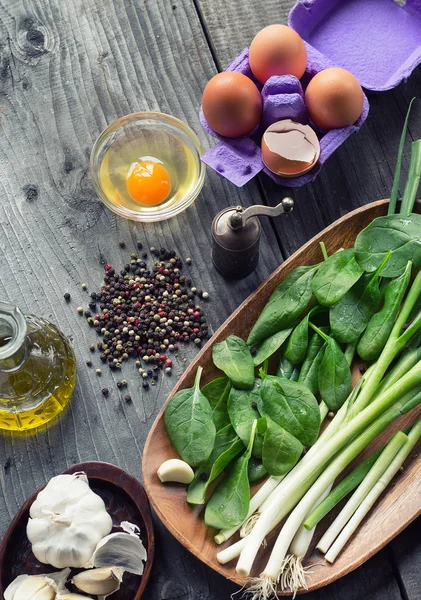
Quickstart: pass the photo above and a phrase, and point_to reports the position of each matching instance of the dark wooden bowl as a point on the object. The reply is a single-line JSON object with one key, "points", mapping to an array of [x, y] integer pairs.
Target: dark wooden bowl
{"points": [[398, 506], [125, 500]]}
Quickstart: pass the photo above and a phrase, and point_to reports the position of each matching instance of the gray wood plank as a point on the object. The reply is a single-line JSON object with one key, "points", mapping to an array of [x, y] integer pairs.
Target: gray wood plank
{"points": [[67, 70]]}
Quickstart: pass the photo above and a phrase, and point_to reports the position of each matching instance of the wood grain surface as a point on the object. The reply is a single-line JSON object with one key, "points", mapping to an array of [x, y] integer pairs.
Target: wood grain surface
{"points": [[68, 69], [396, 509]]}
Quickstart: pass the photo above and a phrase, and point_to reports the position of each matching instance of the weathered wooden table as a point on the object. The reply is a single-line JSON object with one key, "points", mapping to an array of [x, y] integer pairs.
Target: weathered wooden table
{"points": [[69, 68]]}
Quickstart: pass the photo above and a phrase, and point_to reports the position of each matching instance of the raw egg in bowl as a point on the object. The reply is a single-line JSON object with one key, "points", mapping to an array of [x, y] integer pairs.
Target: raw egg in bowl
{"points": [[146, 166]]}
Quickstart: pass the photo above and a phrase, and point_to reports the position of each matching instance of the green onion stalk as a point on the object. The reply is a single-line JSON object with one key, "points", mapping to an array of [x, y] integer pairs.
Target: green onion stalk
{"points": [[355, 436], [299, 481]]}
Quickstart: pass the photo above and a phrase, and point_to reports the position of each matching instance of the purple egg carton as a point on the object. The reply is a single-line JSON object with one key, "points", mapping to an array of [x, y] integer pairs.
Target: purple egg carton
{"points": [[379, 41], [240, 159]]}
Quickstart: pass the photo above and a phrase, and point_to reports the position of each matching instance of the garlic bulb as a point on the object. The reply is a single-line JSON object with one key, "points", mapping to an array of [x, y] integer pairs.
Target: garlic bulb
{"points": [[67, 520], [124, 550], [36, 587], [100, 582]]}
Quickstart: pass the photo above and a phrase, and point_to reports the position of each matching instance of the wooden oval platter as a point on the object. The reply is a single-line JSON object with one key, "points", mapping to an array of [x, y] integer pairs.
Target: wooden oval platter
{"points": [[125, 500], [400, 504]]}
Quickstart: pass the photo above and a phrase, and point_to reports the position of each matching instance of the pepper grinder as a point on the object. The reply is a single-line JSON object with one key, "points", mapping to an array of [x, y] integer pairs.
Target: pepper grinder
{"points": [[236, 237]]}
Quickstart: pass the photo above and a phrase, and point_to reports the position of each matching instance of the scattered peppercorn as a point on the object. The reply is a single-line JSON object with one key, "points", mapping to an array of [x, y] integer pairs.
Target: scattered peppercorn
{"points": [[92, 348], [139, 245], [98, 371], [188, 261], [105, 391], [144, 312], [145, 384], [204, 476], [89, 363], [128, 398], [84, 286], [80, 310], [205, 295], [67, 297], [254, 404], [362, 369], [122, 244]]}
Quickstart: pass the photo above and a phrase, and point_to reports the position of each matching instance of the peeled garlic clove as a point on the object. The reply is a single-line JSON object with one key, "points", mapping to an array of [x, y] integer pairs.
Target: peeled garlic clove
{"points": [[71, 597], [176, 470], [101, 582]]}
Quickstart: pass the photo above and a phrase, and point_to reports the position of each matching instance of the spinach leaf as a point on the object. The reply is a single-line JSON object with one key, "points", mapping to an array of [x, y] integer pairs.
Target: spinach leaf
{"points": [[287, 369], [227, 446], [380, 325], [229, 504], [285, 305], [400, 234], [281, 450], [188, 419], [243, 411], [336, 276], [266, 348], [292, 406], [309, 373], [335, 383], [233, 357], [351, 315], [255, 470], [297, 344], [217, 392]]}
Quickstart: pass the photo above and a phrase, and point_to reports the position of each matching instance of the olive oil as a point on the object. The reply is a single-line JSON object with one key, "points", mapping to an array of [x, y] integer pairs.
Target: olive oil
{"points": [[37, 371], [149, 146]]}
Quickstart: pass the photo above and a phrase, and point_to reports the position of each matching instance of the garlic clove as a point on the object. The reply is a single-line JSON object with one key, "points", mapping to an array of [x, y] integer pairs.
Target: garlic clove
{"points": [[124, 550], [71, 597], [175, 470], [100, 582], [36, 587]]}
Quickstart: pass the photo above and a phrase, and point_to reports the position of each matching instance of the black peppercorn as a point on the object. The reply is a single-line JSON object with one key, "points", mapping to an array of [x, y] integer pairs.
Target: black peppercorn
{"points": [[67, 297]]}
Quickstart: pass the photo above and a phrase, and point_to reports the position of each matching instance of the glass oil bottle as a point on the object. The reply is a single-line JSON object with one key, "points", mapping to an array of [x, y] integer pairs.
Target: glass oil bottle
{"points": [[37, 370]]}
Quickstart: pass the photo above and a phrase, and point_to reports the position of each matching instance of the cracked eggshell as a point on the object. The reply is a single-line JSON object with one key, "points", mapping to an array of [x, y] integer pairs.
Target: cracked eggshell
{"points": [[290, 149]]}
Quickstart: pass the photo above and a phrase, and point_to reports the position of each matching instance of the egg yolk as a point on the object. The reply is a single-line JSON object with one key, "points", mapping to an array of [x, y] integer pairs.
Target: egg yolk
{"points": [[148, 183]]}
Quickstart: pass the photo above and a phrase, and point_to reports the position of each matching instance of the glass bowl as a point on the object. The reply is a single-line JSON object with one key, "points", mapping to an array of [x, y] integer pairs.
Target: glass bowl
{"points": [[147, 136]]}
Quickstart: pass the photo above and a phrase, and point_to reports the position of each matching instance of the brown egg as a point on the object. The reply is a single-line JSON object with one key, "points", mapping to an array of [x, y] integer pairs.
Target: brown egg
{"points": [[232, 104], [334, 99], [277, 50], [290, 149]]}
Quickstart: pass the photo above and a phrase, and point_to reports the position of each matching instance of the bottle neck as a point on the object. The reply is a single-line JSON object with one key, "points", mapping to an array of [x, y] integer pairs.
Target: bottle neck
{"points": [[13, 338]]}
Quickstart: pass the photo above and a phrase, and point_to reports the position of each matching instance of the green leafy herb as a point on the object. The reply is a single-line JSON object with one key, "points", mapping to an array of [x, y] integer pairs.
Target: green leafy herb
{"points": [[217, 392], [233, 357], [243, 411], [309, 374], [189, 423], [281, 450], [335, 383], [400, 234], [227, 446], [351, 315], [269, 346], [397, 177], [285, 305], [292, 406], [413, 180], [255, 469], [296, 348], [380, 325], [287, 369], [335, 277], [229, 504]]}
